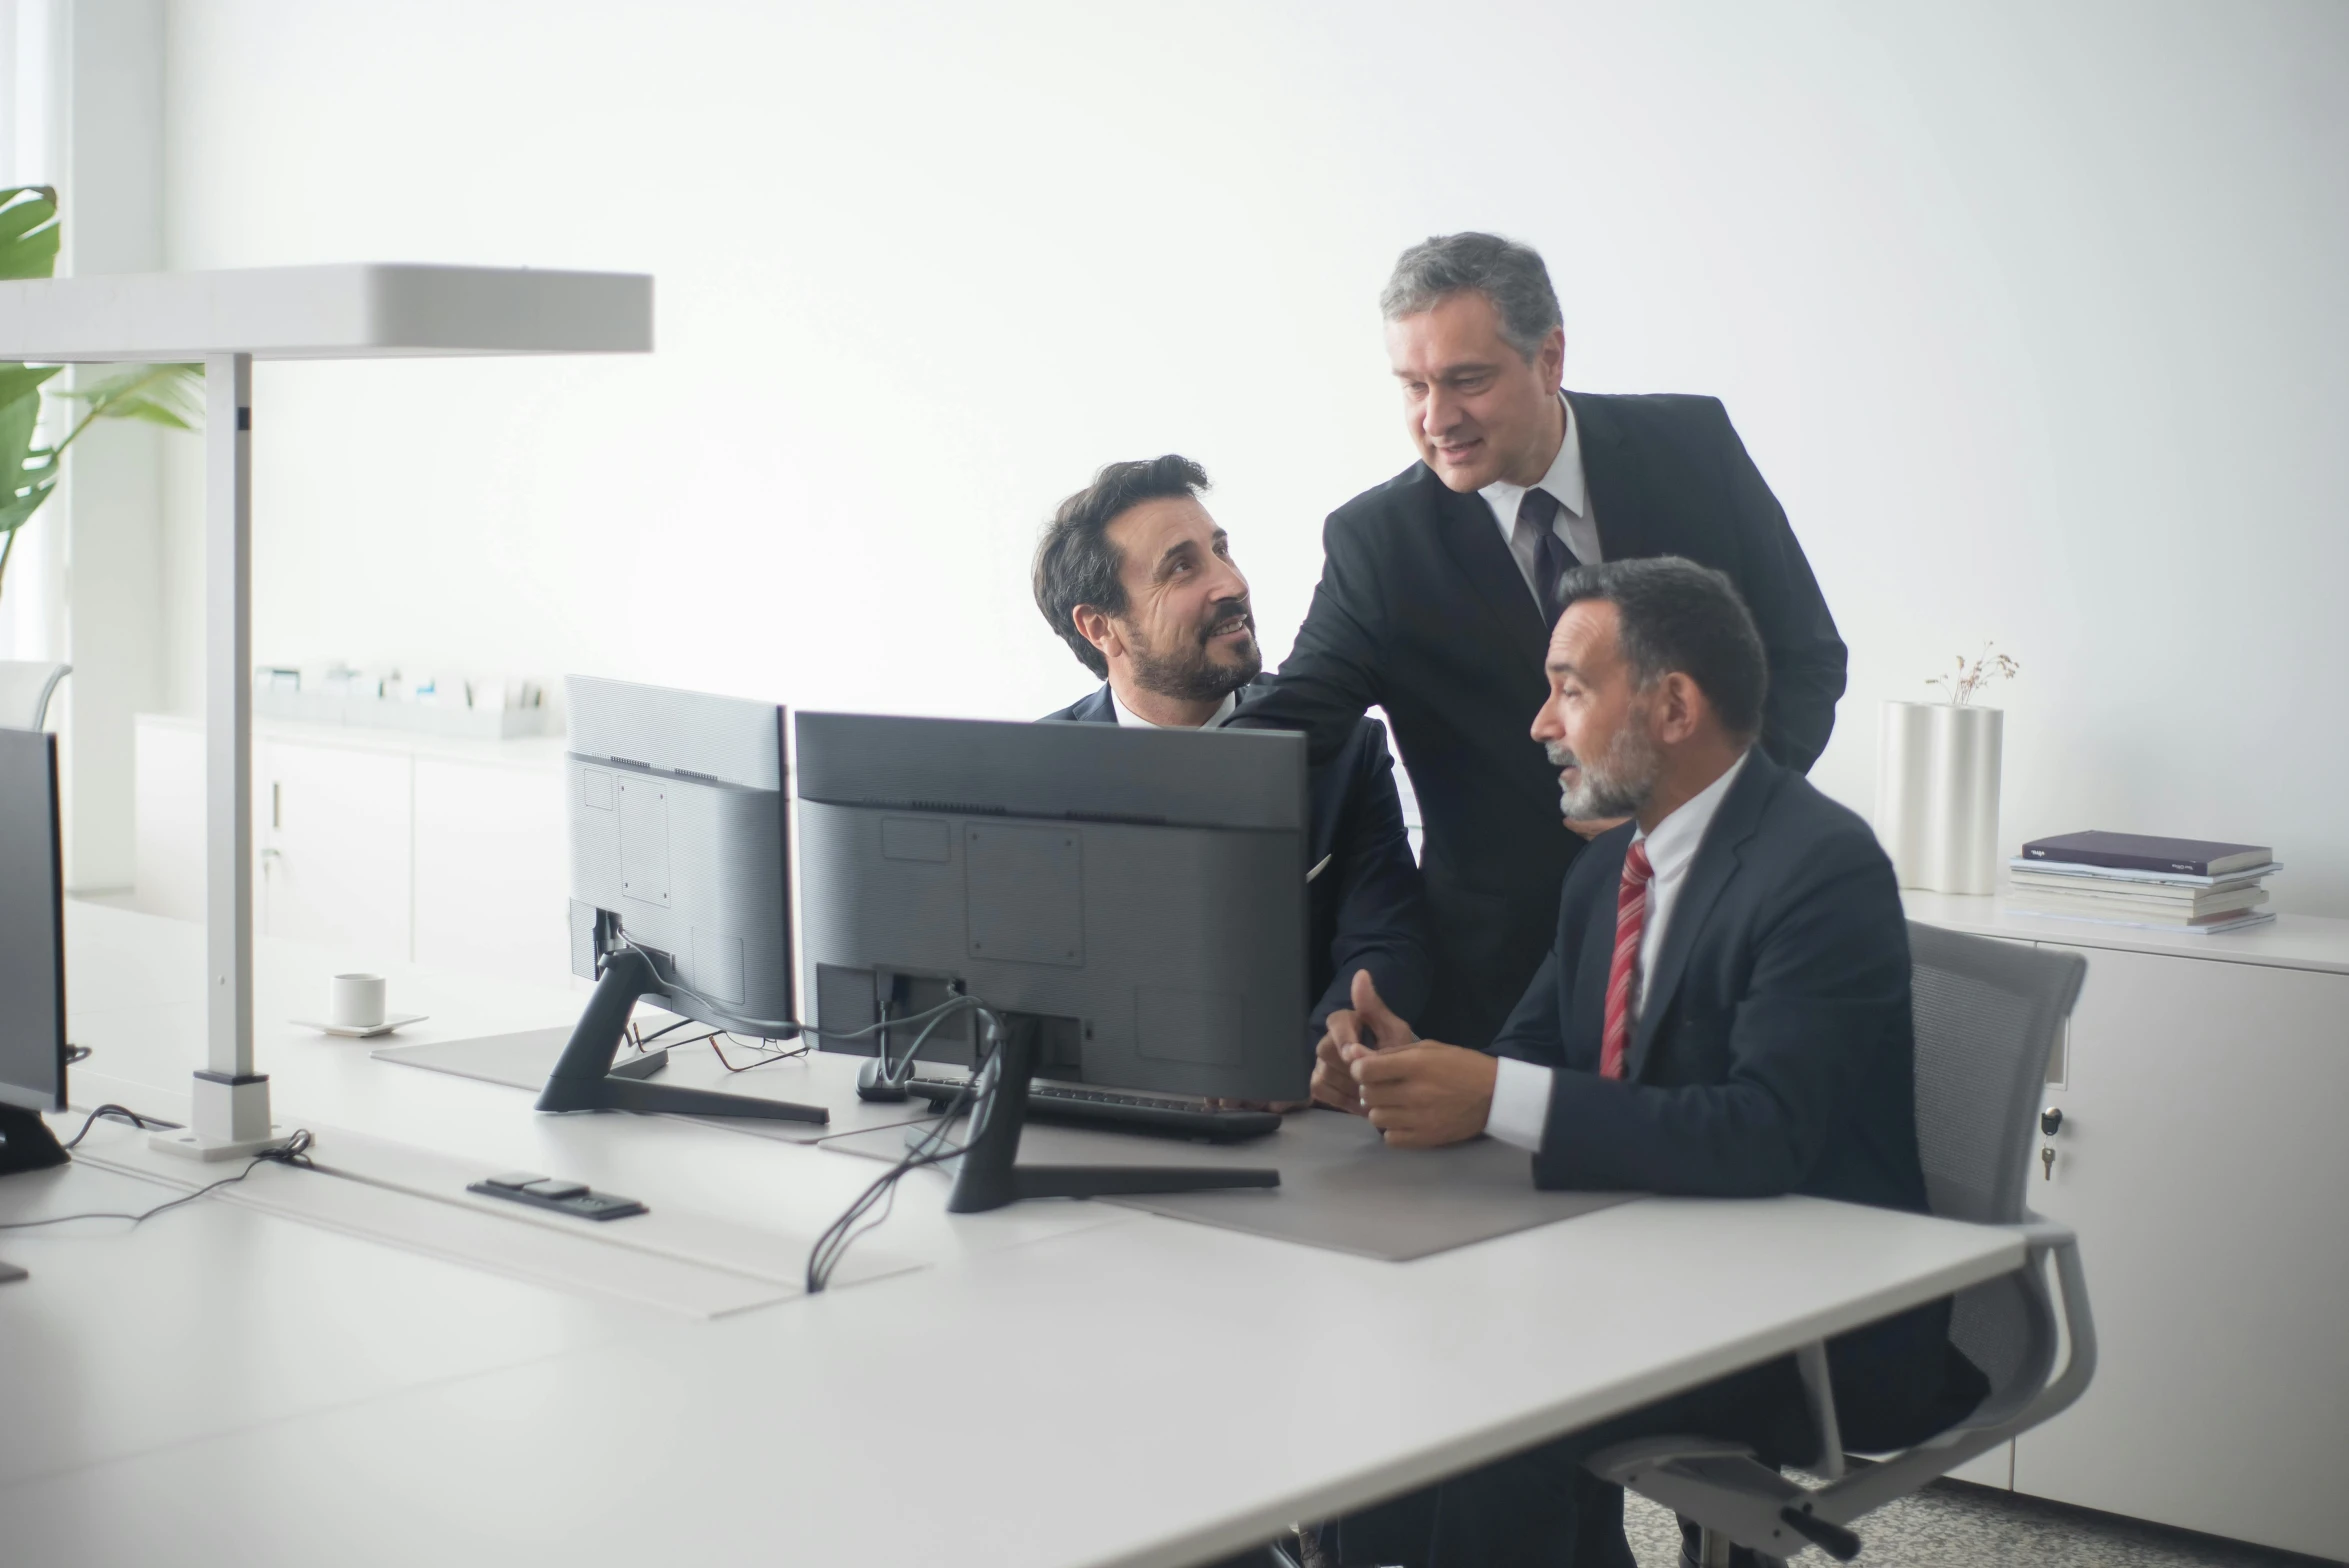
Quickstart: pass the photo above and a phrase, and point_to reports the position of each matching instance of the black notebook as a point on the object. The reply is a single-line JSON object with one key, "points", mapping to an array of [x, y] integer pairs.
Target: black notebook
{"points": [[2141, 852]]}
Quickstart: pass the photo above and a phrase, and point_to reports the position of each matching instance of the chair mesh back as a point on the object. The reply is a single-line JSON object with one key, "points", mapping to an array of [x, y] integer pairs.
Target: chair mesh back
{"points": [[1988, 1015]]}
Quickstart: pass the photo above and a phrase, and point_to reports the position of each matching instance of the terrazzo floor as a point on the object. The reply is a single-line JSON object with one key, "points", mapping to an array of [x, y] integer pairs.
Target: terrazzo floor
{"points": [[1953, 1525]]}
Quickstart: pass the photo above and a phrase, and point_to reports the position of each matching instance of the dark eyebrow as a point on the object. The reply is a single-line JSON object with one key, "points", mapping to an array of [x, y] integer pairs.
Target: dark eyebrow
{"points": [[1453, 372], [1174, 553], [1561, 667]]}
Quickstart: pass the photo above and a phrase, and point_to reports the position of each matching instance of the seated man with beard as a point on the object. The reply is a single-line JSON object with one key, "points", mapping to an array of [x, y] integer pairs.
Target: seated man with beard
{"points": [[1724, 1012], [1136, 578]]}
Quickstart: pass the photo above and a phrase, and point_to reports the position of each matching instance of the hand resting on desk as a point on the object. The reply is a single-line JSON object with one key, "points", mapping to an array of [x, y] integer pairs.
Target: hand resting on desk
{"points": [[1419, 1094]]}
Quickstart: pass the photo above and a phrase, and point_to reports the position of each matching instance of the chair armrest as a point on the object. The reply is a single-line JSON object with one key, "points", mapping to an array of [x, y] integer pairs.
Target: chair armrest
{"points": [[1846, 1499]]}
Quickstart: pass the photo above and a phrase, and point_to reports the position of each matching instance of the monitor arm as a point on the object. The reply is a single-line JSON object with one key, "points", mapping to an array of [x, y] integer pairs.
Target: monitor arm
{"points": [[26, 1143], [990, 1175], [584, 1080]]}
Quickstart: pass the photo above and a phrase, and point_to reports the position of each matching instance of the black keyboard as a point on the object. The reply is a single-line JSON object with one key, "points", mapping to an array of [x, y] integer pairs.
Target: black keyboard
{"points": [[1122, 1112]]}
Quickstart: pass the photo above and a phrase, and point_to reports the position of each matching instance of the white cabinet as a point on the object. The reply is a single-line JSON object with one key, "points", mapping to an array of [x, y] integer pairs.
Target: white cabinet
{"points": [[2202, 1161], [446, 852], [492, 868], [334, 844]]}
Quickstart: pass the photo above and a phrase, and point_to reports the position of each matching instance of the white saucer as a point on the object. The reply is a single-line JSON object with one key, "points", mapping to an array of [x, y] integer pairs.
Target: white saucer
{"points": [[355, 1032]]}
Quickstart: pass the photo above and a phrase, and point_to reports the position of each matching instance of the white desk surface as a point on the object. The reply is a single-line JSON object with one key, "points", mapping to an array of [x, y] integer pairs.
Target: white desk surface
{"points": [[1061, 1384]]}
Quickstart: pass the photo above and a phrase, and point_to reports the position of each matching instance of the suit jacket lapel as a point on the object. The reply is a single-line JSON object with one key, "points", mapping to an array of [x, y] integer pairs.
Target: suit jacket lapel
{"points": [[1713, 869], [1466, 525], [1095, 709], [1611, 476]]}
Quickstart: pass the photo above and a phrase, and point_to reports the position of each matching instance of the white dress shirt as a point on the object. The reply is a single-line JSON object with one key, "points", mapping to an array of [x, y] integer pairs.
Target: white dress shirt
{"points": [[1521, 1090], [1574, 523], [1128, 718]]}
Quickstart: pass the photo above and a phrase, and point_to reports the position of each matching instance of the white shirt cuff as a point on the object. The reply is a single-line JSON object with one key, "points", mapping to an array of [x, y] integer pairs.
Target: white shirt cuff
{"points": [[1521, 1104]]}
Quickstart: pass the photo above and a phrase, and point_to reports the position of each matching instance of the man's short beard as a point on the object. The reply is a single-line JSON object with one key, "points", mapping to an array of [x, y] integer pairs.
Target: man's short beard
{"points": [[1188, 674], [1615, 785], [1191, 676]]}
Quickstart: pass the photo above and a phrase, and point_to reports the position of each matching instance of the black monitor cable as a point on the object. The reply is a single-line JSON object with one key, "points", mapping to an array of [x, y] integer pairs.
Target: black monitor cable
{"points": [[117, 1113], [788, 1028], [294, 1151], [843, 1232], [769, 1051]]}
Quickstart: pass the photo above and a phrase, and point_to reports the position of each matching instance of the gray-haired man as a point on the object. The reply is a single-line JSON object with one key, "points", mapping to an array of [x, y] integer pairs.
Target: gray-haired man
{"points": [[1439, 588]]}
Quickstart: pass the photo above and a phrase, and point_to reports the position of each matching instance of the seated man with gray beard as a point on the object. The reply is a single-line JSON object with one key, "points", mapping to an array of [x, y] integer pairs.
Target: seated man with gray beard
{"points": [[1139, 582], [1724, 1012]]}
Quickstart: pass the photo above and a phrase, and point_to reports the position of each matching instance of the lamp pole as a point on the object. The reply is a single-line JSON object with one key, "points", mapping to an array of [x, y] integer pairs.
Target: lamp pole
{"points": [[231, 1100]]}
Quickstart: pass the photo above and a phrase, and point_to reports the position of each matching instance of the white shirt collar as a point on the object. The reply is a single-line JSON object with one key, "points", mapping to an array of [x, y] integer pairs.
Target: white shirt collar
{"points": [[1674, 842], [1564, 481], [1132, 720]]}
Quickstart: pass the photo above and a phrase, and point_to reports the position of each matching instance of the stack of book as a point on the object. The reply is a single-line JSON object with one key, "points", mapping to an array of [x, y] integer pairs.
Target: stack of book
{"points": [[2128, 879]]}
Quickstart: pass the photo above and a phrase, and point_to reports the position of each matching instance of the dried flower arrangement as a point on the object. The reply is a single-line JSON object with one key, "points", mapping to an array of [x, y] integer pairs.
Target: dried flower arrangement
{"points": [[1972, 676]]}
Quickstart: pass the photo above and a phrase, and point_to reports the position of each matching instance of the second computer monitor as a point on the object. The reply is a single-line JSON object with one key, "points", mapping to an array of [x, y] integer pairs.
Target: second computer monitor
{"points": [[679, 848], [1137, 896]]}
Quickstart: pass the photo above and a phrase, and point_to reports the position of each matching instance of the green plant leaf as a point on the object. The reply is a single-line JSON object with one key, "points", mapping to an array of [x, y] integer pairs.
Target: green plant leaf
{"points": [[27, 473], [29, 232], [15, 513], [170, 395], [18, 380]]}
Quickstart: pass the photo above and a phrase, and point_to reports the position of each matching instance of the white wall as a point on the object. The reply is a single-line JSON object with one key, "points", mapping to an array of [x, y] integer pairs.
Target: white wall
{"points": [[2031, 313], [109, 55]]}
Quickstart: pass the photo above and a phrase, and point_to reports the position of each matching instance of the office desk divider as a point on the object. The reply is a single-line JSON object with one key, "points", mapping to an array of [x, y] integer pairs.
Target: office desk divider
{"points": [[1342, 1189], [675, 1258], [523, 1061]]}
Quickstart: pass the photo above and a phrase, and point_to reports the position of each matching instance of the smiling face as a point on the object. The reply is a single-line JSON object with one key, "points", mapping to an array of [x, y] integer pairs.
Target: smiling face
{"points": [[1598, 725], [1187, 631], [1478, 410]]}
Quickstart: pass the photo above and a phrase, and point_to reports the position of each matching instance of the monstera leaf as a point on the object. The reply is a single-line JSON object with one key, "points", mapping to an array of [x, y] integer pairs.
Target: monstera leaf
{"points": [[30, 473], [168, 395], [171, 395], [28, 232]]}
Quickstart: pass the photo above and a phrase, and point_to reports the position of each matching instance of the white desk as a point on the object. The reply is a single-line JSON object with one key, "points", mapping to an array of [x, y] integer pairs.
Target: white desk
{"points": [[1061, 1384]]}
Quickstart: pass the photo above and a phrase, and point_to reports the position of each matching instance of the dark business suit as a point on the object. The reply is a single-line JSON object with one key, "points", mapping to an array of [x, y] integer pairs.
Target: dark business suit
{"points": [[1774, 1053], [1422, 611], [1366, 907]]}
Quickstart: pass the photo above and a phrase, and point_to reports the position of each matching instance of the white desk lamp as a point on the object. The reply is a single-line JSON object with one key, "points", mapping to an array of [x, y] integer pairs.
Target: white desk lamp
{"points": [[227, 320]]}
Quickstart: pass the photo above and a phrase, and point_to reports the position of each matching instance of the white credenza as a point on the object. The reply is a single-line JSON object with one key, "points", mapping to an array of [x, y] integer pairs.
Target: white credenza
{"points": [[429, 850], [2202, 1159]]}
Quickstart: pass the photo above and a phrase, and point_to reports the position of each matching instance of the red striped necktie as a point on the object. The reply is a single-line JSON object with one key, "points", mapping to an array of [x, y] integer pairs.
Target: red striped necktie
{"points": [[1631, 919]]}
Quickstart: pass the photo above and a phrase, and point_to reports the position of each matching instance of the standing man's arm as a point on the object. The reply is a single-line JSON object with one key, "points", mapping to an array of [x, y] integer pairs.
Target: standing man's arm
{"points": [[1381, 921], [1336, 668], [1807, 656]]}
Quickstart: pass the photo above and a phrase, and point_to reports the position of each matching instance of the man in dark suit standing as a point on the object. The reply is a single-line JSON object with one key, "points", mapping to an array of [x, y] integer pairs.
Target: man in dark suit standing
{"points": [[1438, 590], [1134, 575], [1723, 1010]]}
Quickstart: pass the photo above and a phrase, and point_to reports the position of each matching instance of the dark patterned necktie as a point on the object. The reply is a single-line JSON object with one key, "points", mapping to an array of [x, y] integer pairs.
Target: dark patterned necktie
{"points": [[1537, 516], [1631, 924]]}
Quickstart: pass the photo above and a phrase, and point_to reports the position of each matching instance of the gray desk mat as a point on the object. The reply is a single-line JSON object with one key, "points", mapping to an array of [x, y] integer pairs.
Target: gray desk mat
{"points": [[1341, 1188], [522, 1061]]}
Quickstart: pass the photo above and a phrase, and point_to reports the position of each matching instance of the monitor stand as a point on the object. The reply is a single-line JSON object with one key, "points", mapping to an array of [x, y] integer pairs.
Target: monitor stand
{"points": [[583, 1080], [990, 1176], [26, 1143]]}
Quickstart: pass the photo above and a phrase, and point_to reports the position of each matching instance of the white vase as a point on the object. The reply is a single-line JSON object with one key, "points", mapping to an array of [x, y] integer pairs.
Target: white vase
{"points": [[1937, 794]]}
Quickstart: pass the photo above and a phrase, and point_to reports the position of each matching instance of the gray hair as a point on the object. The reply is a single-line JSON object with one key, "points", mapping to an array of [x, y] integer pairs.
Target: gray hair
{"points": [[1509, 274]]}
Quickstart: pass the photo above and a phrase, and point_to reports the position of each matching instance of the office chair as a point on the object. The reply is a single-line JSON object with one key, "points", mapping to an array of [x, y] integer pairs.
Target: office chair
{"points": [[1988, 1015], [25, 685]]}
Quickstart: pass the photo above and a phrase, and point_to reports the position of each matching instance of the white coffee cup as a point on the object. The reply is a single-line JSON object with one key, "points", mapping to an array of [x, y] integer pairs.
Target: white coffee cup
{"points": [[358, 1002]]}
